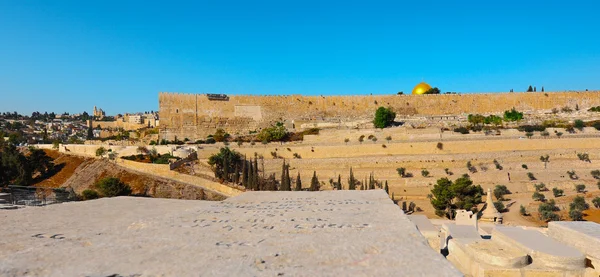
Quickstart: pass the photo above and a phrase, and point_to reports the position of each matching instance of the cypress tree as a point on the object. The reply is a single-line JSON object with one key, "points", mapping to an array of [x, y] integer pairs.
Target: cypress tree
{"points": [[387, 189], [339, 183], [225, 169], [251, 176], [542, 88], [314, 183], [245, 173], [530, 89], [255, 175], [283, 179], [298, 183], [236, 174], [351, 181]]}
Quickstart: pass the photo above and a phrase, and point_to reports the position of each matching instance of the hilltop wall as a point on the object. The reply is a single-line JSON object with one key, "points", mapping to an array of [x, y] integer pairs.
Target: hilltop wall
{"points": [[194, 116]]}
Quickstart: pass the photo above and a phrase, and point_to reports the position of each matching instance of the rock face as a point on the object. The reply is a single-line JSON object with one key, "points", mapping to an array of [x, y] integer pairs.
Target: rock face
{"points": [[330, 233]]}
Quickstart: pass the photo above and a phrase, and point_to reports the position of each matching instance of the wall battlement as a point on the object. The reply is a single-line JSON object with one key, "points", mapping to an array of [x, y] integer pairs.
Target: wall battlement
{"points": [[195, 116]]}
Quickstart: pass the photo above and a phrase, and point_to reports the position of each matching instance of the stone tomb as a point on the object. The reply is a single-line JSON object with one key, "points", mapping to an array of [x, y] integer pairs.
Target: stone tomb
{"points": [[329, 233]]}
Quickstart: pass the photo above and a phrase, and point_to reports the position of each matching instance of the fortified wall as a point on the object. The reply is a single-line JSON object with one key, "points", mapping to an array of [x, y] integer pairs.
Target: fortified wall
{"points": [[195, 116]]}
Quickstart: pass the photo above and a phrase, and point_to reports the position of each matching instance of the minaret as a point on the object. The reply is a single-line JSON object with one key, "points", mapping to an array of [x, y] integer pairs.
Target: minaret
{"points": [[490, 213]]}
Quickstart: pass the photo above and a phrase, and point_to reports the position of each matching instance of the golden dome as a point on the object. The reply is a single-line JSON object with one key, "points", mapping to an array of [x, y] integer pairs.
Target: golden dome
{"points": [[421, 88]]}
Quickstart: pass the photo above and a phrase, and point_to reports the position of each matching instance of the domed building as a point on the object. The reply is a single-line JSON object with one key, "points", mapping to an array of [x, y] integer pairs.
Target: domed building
{"points": [[421, 88]]}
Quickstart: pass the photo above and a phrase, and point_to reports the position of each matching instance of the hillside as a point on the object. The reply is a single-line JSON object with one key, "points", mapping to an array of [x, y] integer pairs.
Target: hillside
{"points": [[82, 173]]}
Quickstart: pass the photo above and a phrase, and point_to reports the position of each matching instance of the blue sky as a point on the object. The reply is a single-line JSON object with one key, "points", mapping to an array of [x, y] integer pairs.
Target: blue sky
{"points": [[71, 55]]}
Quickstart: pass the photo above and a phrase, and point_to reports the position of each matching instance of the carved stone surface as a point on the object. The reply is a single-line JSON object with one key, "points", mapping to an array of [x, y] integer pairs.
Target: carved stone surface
{"points": [[329, 233]]}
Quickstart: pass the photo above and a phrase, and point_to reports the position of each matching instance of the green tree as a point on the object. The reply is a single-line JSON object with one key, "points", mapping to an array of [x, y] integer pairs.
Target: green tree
{"points": [[425, 172], [433, 90], [596, 202], [314, 182], [576, 215], [285, 178], [513, 115], [401, 171], [111, 187], [500, 191], [557, 192], [579, 124], [447, 196], [580, 188], [530, 89], [224, 163], [351, 181], [276, 132], [545, 160], [522, 210], [384, 117], [579, 204], [100, 152], [538, 197], [298, 183], [89, 194]]}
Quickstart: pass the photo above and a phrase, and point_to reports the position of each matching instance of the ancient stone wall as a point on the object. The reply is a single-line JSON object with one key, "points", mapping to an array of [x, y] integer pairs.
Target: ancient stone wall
{"points": [[194, 116]]}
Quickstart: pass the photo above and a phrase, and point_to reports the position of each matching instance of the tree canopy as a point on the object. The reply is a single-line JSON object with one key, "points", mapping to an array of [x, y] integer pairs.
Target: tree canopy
{"points": [[448, 196], [384, 117]]}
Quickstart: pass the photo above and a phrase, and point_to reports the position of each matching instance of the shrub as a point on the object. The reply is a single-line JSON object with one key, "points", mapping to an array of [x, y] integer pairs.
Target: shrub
{"points": [[440, 146], [524, 166], [361, 138], [579, 124], [471, 168], [538, 197], [384, 117], [100, 152], [461, 130], [388, 138], [89, 194], [576, 215], [584, 157], [596, 202], [111, 187], [500, 191], [499, 206], [557, 192], [572, 175], [425, 172], [297, 156], [276, 132], [346, 140], [401, 171], [579, 204], [522, 210], [220, 135], [531, 176], [540, 187], [529, 134], [595, 174], [531, 128], [580, 188], [448, 172], [497, 164], [513, 115]]}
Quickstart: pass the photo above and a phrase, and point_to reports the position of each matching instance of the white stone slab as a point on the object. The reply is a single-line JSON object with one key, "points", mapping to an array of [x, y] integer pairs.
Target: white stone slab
{"points": [[582, 235], [424, 226], [544, 250], [333, 233]]}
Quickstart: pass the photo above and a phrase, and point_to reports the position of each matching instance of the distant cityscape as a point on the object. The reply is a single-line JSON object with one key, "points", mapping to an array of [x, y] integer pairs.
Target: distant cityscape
{"points": [[45, 128]]}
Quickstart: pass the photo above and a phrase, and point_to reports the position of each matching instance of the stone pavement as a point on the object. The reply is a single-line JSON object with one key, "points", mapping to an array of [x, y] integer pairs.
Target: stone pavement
{"points": [[329, 233]]}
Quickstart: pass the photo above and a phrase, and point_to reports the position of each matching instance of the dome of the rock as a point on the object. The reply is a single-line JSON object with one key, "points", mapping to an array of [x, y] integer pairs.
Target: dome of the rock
{"points": [[421, 88]]}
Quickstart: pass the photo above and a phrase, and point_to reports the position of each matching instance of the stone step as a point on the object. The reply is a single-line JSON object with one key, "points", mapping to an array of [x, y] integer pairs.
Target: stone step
{"points": [[544, 251]]}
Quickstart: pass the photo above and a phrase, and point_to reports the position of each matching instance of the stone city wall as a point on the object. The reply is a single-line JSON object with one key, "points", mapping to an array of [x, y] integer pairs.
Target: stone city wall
{"points": [[194, 116]]}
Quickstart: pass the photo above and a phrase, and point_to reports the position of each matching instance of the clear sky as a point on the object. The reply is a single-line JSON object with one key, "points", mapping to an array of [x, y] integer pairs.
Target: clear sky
{"points": [[71, 55]]}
